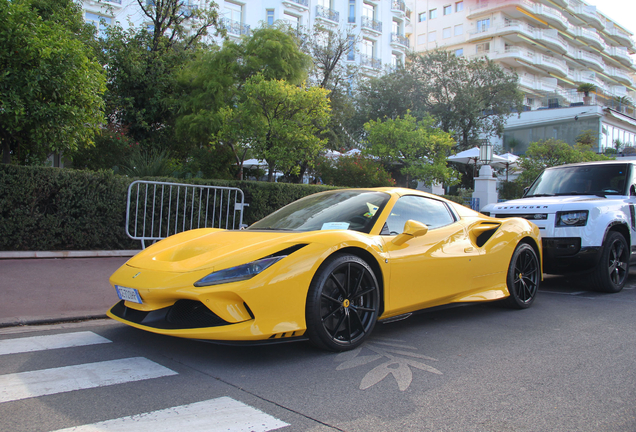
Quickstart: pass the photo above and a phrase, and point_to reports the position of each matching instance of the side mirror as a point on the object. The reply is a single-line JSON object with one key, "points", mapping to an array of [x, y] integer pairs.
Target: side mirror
{"points": [[632, 190], [412, 229]]}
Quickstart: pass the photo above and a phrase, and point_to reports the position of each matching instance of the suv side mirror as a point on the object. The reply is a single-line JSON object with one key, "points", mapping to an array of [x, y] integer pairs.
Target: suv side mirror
{"points": [[632, 190]]}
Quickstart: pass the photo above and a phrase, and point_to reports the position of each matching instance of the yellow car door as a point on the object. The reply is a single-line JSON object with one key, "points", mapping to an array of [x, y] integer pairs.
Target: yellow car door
{"points": [[429, 269]]}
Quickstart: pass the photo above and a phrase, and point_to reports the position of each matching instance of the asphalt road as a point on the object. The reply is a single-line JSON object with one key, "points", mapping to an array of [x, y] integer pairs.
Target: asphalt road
{"points": [[566, 364]]}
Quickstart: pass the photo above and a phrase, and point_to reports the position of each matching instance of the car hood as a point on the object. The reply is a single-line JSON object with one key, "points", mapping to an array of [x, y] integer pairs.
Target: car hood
{"points": [[206, 248], [549, 204]]}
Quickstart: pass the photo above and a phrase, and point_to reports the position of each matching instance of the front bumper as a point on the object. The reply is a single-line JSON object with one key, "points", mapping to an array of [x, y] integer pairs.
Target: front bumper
{"points": [[565, 255]]}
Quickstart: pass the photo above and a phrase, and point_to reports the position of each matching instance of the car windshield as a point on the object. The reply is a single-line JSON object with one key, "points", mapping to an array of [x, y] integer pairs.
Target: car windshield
{"points": [[601, 180], [356, 210]]}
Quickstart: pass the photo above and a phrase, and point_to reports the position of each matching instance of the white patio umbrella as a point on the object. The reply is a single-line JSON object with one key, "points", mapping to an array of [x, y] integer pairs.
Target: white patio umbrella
{"points": [[511, 162], [471, 157]]}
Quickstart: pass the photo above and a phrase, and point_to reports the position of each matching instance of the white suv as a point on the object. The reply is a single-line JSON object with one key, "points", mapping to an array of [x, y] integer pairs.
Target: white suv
{"points": [[586, 214]]}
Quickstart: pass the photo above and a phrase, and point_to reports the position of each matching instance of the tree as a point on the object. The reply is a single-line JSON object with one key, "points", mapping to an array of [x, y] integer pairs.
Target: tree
{"points": [[284, 121], [548, 153], [469, 98], [213, 86], [50, 82], [586, 89], [175, 22], [418, 148], [329, 49], [143, 64], [387, 96]]}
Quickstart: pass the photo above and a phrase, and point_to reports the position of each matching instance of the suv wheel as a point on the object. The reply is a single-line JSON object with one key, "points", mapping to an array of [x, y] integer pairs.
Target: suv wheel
{"points": [[612, 270]]}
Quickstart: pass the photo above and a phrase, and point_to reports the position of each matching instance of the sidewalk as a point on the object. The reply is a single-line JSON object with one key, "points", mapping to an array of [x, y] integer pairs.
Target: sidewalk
{"points": [[45, 290]]}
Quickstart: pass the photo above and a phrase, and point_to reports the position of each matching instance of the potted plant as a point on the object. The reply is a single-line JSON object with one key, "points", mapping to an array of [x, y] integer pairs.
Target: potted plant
{"points": [[586, 88]]}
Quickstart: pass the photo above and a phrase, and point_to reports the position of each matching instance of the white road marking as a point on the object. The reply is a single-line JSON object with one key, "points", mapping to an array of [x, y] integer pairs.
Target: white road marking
{"points": [[215, 415], [40, 343], [25, 385]]}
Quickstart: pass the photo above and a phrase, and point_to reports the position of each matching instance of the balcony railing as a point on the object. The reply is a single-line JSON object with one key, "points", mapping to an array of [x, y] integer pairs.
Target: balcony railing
{"points": [[330, 14], [399, 39], [300, 2], [234, 27], [369, 61], [371, 24], [398, 5]]}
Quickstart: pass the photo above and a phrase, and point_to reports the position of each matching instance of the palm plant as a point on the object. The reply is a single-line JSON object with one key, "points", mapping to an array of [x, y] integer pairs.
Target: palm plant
{"points": [[586, 88]]}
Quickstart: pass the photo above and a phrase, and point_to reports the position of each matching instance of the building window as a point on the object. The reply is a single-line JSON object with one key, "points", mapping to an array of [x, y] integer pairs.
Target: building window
{"points": [[432, 36], [459, 6], [432, 14], [483, 25], [396, 28], [352, 11], [351, 54], [368, 48], [459, 29], [459, 52], [270, 17], [234, 12], [100, 22], [368, 11], [421, 17], [483, 47], [292, 20], [446, 33], [448, 9], [396, 60]]}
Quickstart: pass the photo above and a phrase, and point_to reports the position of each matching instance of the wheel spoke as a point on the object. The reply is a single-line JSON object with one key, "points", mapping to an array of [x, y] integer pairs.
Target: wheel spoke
{"points": [[358, 284], [342, 290], [330, 314], [363, 293], [362, 308], [355, 313], [323, 295], [349, 327], [333, 334]]}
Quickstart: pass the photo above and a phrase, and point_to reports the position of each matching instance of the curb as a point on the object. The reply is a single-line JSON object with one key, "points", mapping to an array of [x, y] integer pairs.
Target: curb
{"points": [[18, 322], [67, 254]]}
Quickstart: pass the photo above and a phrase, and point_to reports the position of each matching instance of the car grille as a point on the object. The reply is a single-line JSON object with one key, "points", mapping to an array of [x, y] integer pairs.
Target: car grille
{"points": [[528, 216], [184, 314]]}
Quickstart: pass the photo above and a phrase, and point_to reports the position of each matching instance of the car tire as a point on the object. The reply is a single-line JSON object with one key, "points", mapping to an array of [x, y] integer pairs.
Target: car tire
{"points": [[613, 268], [343, 303], [524, 276]]}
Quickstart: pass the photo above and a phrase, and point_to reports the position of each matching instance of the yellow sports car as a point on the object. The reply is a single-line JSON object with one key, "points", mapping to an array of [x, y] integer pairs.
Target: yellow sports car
{"points": [[326, 268]]}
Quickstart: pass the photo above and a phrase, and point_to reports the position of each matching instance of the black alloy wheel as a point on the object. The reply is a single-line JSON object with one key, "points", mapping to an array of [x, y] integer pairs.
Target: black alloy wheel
{"points": [[524, 276], [613, 268], [343, 303]]}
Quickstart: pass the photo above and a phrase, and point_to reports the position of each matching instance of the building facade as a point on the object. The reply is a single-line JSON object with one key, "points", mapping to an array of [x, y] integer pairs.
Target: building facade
{"points": [[383, 27], [554, 46]]}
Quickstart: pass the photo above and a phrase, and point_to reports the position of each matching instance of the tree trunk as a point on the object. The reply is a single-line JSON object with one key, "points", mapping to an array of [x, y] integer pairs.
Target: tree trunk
{"points": [[270, 173]]}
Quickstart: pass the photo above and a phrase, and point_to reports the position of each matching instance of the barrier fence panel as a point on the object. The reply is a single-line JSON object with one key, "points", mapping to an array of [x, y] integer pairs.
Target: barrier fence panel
{"points": [[156, 210]]}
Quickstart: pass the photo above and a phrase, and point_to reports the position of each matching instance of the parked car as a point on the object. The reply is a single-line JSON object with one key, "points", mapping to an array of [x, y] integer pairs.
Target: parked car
{"points": [[586, 216], [326, 268]]}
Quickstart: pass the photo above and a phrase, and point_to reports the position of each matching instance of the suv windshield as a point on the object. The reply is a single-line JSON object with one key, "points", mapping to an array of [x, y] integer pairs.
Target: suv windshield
{"points": [[601, 180], [355, 210]]}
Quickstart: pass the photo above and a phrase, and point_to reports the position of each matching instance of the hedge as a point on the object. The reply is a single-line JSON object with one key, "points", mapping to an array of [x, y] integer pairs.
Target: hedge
{"points": [[44, 209]]}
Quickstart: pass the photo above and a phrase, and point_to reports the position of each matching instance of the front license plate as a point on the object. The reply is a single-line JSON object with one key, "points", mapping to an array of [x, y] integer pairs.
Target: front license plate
{"points": [[128, 294]]}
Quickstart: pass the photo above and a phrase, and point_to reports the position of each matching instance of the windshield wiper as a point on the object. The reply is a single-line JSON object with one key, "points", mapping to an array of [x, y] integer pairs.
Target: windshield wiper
{"points": [[540, 195]]}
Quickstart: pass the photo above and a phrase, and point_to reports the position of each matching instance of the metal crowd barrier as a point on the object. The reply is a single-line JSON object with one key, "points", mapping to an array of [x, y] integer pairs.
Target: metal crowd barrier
{"points": [[156, 210]]}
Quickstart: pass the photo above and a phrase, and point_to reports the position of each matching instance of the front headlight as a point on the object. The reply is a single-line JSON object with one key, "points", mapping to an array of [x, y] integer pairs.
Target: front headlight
{"points": [[571, 218], [238, 273]]}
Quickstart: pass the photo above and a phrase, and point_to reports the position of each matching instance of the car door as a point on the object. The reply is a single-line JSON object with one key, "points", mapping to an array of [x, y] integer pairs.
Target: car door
{"points": [[427, 270]]}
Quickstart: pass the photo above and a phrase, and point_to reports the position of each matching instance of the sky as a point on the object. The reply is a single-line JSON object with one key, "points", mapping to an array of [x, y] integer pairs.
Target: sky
{"points": [[621, 11]]}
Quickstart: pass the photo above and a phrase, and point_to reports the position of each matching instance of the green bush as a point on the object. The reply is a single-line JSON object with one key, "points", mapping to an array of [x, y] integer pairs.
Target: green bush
{"points": [[63, 209]]}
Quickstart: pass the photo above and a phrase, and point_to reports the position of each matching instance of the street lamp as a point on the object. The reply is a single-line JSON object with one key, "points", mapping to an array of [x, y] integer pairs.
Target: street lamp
{"points": [[485, 152]]}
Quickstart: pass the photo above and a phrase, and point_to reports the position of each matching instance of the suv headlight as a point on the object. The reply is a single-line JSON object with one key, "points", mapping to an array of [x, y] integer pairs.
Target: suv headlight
{"points": [[238, 273], [571, 218]]}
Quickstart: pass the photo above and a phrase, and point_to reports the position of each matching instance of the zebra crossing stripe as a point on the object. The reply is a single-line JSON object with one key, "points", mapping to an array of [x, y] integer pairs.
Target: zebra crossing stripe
{"points": [[25, 385], [215, 415], [40, 343]]}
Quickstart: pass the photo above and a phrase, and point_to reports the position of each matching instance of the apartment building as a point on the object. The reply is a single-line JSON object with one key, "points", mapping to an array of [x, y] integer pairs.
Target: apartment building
{"points": [[553, 46], [383, 27]]}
